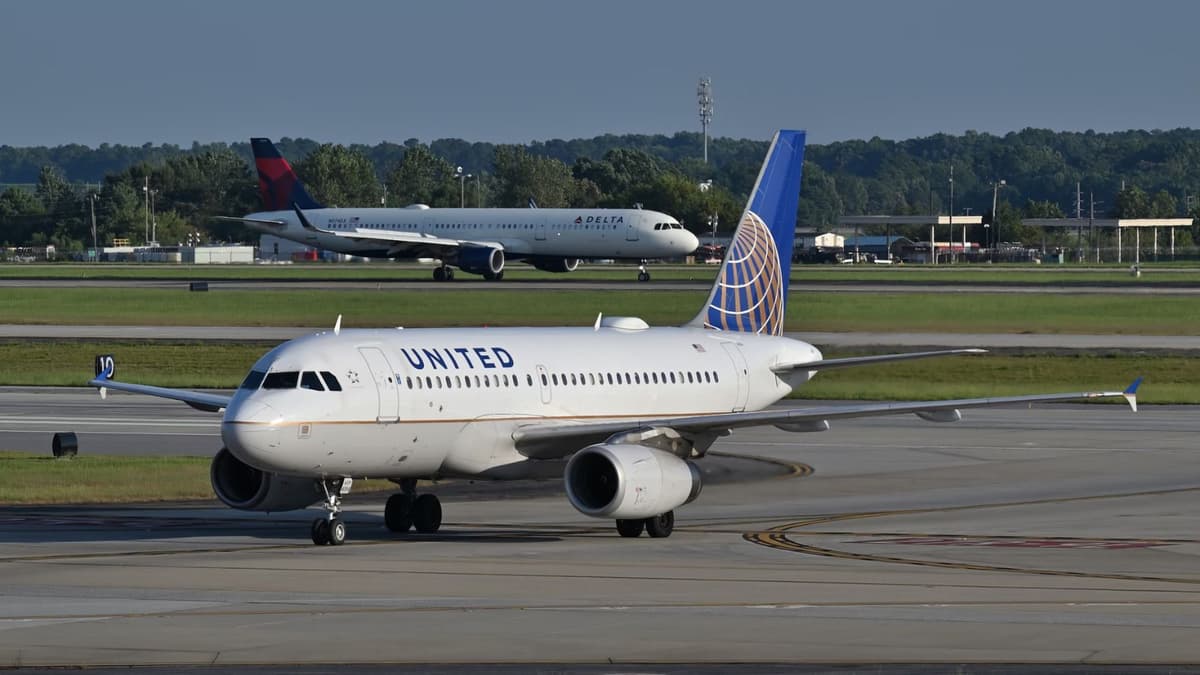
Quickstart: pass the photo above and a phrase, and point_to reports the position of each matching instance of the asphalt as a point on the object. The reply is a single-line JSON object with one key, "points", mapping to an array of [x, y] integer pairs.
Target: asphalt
{"points": [[1062, 536]]}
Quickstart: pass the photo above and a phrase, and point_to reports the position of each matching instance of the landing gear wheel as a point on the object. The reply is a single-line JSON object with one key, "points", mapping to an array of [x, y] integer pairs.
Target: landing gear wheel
{"points": [[661, 525], [427, 514], [439, 274], [397, 513], [643, 276], [631, 528], [449, 274], [320, 532], [336, 532]]}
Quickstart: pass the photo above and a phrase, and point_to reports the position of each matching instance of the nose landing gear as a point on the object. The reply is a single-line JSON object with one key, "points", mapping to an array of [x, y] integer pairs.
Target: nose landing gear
{"points": [[331, 530]]}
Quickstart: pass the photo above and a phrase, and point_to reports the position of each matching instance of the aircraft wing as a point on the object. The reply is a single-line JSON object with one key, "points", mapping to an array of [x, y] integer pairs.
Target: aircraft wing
{"points": [[253, 221], [409, 243], [198, 400], [556, 440], [826, 364]]}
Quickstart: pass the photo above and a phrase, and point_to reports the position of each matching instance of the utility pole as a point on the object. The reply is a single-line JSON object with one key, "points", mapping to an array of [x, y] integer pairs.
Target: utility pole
{"points": [[951, 238], [146, 193], [704, 95], [1079, 221], [92, 197], [996, 221]]}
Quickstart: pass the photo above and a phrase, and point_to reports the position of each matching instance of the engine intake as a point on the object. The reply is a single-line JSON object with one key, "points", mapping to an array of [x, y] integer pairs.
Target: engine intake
{"points": [[241, 486], [481, 259], [559, 265], [629, 481]]}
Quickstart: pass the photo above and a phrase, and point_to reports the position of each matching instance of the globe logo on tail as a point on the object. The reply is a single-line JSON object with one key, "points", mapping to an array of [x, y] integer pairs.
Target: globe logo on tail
{"points": [[749, 294]]}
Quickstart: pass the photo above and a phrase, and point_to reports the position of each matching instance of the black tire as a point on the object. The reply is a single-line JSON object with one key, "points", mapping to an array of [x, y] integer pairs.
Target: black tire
{"points": [[439, 274], [397, 513], [661, 525], [320, 532], [427, 514], [336, 532], [643, 276], [631, 528]]}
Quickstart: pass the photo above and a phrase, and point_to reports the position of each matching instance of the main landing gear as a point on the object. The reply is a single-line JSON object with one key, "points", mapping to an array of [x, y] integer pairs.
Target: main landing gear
{"points": [[330, 530], [407, 510], [443, 273], [657, 526], [643, 275]]}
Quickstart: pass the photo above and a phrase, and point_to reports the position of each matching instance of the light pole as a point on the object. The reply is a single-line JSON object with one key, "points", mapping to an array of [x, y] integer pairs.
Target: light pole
{"points": [[146, 194], [153, 219], [92, 197], [996, 221], [462, 189], [704, 96], [951, 237]]}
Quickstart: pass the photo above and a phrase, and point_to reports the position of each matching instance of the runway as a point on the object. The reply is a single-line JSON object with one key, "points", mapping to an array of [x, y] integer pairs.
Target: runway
{"points": [[1061, 534]]}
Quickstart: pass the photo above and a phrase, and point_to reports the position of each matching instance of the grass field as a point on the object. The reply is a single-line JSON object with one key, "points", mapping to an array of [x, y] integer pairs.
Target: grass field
{"points": [[918, 312], [26, 478]]}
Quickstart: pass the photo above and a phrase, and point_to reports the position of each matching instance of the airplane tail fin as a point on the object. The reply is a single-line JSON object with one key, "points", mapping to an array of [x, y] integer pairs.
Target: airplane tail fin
{"points": [[277, 183], [750, 292]]}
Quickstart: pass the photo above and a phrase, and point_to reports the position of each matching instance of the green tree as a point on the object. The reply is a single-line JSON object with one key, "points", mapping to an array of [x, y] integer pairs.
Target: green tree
{"points": [[521, 176], [339, 176], [1163, 205], [423, 178], [1132, 202]]}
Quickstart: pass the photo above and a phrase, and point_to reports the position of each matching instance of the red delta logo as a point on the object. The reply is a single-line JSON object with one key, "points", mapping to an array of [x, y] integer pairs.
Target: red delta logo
{"points": [[579, 220]]}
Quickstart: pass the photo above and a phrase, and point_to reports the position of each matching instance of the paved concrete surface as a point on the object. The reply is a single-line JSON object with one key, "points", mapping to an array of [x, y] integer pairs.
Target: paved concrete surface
{"points": [[1061, 534]]}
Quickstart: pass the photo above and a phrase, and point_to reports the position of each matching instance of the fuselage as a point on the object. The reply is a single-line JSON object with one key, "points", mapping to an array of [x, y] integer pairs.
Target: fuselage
{"points": [[397, 403], [523, 233]]}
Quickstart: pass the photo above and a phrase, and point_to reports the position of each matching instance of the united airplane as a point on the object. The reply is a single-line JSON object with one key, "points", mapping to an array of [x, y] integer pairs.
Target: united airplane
{"points": [[621, 411], [477, 241]]}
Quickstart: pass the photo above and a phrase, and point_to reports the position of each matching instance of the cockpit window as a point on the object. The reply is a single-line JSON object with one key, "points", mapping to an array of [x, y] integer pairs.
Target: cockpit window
{"points": [[331, 381], [253, 380], [309, 380], [282, 380]]}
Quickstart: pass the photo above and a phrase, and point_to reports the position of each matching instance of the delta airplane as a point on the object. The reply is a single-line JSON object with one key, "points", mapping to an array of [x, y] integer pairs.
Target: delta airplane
{"points": [[620, 410], [478, 241]]}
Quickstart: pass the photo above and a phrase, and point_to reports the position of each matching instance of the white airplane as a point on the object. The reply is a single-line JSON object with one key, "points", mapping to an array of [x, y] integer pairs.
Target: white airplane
{"points": [[620, 410], [478, 241]]}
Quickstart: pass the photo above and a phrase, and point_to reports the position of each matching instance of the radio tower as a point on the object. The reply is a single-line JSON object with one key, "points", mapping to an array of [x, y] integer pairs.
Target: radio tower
{"points": [[704, 94]]}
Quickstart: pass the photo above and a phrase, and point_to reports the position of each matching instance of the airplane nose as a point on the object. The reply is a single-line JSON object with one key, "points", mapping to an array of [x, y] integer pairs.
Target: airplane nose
{"points": [[251, 432], [690, 242]]}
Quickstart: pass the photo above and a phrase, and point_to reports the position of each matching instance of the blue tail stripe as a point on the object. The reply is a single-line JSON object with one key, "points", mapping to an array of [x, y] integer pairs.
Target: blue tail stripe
{"points": [[750, 292]]}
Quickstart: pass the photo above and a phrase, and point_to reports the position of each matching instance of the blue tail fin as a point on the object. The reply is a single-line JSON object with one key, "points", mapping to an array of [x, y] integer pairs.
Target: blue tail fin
{"points": [[750, 293], [277, 183]]}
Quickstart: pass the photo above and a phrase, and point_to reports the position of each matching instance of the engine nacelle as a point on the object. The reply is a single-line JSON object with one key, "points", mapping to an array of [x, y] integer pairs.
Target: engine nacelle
{"points": [[481, 259], [559, 265], [241, 486], [629, 481]]}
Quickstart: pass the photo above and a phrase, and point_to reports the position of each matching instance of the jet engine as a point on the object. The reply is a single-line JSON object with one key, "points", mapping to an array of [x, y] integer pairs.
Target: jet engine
{"points": [[555, 264], [629, 481], [241, 486], [485, 260]]}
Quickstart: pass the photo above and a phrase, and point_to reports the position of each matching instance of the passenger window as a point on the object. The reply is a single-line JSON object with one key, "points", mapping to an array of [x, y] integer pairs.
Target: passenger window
{"points": [[544, 382], [486, 383], [610, 378], [715, 377], [637, 379], [654, 376], [707, 376], [253, 380], [554, 377], [284, 380], [529, 380], [689, 378], [428, 382], [467, 381], [410, 385], [573, 378], [309, 380], [672, 377], [331, 381]]}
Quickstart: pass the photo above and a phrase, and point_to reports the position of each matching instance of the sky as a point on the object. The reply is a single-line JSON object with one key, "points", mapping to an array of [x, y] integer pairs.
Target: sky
{"points": [[514, 71]]}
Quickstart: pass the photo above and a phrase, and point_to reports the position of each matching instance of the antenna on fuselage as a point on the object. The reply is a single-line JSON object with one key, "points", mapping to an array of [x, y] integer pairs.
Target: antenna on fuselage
{"points": [[337, 326]]}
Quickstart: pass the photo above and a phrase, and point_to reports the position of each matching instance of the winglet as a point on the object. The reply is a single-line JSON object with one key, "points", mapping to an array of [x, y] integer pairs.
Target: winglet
{"points": [[1130, 393], [304, 222], [599, 316], [337, 326]]}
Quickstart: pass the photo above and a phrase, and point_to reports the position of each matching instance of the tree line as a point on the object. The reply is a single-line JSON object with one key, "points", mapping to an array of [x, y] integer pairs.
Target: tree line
{"points": [[1129, 174]]}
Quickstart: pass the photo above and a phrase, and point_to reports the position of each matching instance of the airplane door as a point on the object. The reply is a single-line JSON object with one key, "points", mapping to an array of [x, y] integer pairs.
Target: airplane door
{"points": [[385, 384], [539, 232], [543, 383], [631, 231], [739, 366]]}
